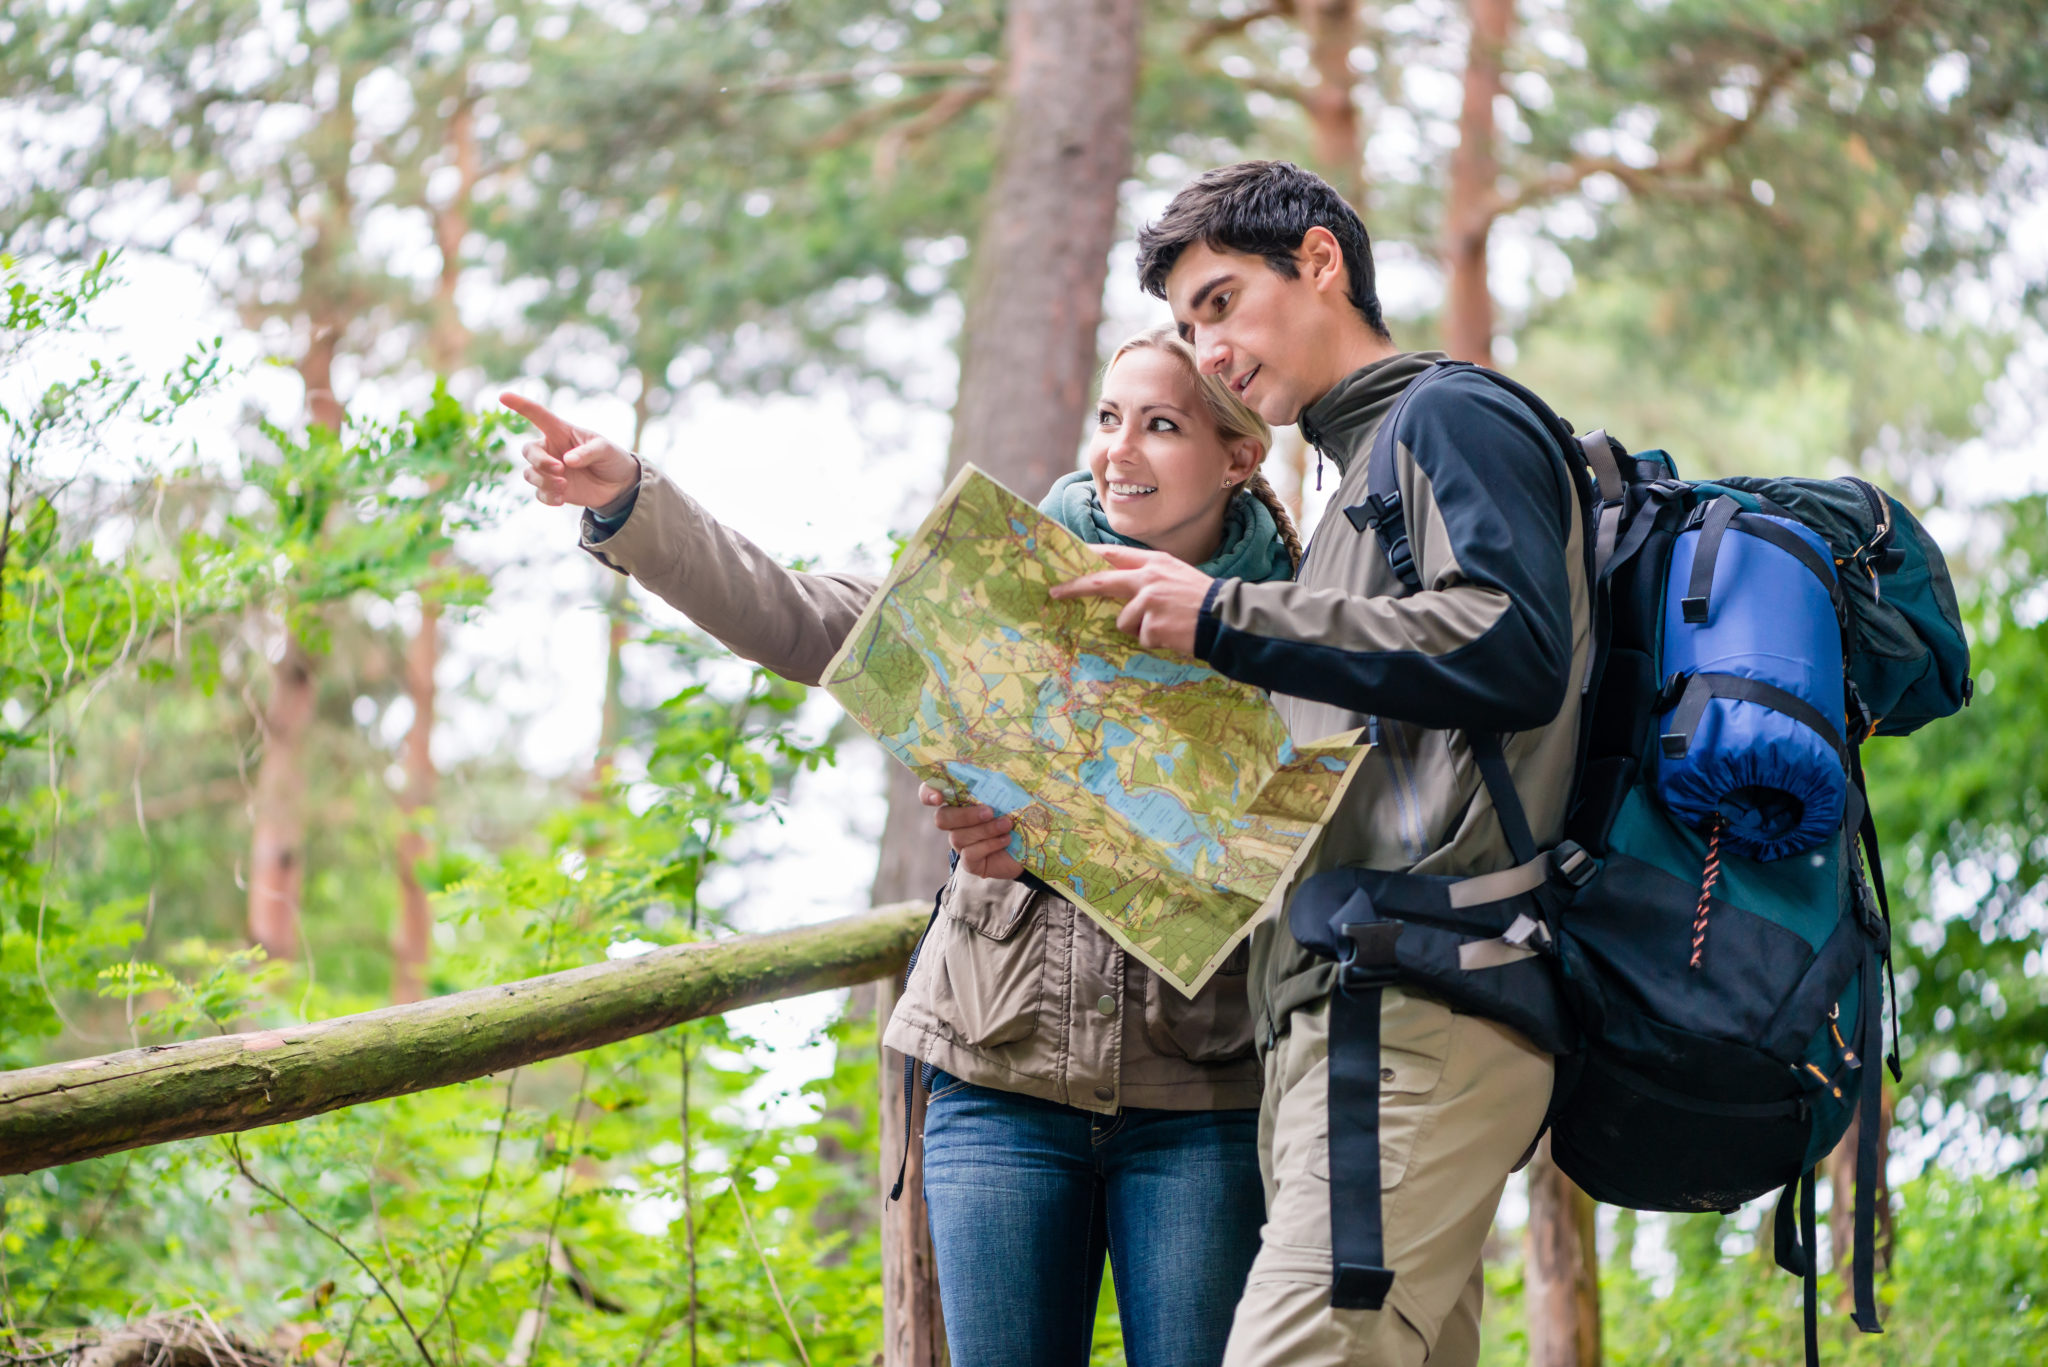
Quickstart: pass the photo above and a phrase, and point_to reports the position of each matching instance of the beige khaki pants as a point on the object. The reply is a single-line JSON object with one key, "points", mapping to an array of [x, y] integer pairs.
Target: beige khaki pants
{"points": [[1460, 1102]]}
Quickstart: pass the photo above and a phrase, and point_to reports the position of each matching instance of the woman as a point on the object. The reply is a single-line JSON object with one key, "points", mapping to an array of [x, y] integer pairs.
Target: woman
{"points": [[1080, 1106]]}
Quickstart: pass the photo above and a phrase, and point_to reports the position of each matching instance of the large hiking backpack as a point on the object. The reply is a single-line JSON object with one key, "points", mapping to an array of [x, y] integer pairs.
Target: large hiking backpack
{"points": [[1703, 949]]}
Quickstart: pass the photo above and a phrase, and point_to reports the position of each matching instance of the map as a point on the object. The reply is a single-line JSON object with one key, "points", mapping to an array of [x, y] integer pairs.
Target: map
{"points": [[1162, 799]]}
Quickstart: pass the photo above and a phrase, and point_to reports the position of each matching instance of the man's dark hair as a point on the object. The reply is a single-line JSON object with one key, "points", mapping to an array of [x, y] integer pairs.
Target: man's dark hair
{"points": [[1260, 208]]}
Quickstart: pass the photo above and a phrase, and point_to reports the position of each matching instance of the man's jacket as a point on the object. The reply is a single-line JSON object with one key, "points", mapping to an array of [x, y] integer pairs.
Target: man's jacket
{"points": [[1015, 988], [1495, 640]]}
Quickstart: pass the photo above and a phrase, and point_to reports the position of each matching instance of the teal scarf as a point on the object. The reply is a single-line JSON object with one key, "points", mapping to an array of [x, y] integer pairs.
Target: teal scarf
{"points": [[1252, 549]]}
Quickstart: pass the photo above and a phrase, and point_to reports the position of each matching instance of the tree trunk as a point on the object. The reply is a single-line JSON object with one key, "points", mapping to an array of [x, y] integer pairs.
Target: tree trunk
{"points": [[447, 346], [316, 369], [1028, 364], [1027, 371], [414, 943], [447, 338], [1475, 169], [1333, 30], [65, 1112], [277, 838], [277, 855], [1562, 1282]]}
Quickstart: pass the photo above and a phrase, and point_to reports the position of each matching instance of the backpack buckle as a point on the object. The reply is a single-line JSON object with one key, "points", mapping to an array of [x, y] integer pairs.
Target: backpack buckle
{"points": [[1365, 952], [1571, 863]]}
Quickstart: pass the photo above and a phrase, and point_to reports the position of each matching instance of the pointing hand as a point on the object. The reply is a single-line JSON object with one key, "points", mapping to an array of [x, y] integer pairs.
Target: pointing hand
{"points": [[571, 464]]}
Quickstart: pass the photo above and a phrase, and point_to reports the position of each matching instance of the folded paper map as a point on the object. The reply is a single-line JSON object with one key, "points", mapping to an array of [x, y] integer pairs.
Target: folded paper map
{"points": [[1161, 798]]}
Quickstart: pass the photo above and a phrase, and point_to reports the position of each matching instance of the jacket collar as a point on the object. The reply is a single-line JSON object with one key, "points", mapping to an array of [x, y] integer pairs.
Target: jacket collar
{"points": [[1341, 422]]}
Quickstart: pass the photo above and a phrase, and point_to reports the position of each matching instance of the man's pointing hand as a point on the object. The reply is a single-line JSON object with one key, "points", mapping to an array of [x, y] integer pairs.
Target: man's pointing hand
{"points": [[1162, 596]]}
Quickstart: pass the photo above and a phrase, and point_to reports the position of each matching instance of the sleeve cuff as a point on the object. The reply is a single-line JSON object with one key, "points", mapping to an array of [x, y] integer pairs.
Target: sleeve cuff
{"points": [[1208, 625], [600, 523]]}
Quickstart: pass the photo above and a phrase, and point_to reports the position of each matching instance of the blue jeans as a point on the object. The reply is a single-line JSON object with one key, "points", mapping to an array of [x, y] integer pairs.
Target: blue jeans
{"points": [[1027, 1196]]}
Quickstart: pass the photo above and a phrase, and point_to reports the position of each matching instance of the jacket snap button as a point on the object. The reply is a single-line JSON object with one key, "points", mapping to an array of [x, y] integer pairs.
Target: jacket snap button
{"points": [[1104, 1093], [1107, 1006], [1386, 1075]]}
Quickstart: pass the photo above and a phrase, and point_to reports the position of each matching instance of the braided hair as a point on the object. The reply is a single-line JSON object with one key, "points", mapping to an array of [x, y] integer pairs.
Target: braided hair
{"points": [[1261, 488], [1234, 419]]}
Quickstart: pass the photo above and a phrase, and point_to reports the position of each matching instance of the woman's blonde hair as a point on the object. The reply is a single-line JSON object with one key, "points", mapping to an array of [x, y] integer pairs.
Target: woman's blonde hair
{"points": [[1234, 421]]}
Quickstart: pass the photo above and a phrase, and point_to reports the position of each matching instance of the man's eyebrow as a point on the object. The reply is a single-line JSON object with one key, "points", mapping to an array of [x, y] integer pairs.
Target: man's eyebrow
{"points": [[1207, 289]]}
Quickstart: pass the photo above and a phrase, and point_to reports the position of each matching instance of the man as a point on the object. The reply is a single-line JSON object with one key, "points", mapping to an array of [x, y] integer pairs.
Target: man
{"points": [[1269, 274]]}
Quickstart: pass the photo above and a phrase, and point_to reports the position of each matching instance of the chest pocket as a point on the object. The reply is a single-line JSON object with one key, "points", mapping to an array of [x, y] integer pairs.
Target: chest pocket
{"points": [[991, 978]]}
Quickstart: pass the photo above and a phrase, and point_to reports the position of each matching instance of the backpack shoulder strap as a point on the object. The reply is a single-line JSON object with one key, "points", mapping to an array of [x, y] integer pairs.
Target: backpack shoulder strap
{"points": [[1381, 513]]}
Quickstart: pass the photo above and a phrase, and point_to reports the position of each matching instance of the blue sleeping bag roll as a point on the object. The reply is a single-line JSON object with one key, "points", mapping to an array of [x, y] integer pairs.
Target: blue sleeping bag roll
{"points": [[1753, 720]]}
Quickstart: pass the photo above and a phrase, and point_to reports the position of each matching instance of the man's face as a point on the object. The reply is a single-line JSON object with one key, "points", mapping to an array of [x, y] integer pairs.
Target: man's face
{"points": [[1262, 332]]}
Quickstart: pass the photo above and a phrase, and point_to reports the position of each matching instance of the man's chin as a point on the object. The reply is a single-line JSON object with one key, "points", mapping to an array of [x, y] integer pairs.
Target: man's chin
{"points": [[1276, 407]]}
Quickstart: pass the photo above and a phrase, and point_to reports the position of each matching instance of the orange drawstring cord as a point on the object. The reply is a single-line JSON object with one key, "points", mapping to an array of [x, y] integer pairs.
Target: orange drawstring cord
{"points": [[1710, 875]]}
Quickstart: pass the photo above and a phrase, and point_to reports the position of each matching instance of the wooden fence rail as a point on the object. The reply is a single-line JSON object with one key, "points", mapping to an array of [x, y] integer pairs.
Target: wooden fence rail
{"points": [[63, 1112]]}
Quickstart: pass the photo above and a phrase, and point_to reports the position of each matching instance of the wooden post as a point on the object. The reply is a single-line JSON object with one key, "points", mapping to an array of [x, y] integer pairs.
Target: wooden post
{"points": [[913, 1325], [1562, 1283]]}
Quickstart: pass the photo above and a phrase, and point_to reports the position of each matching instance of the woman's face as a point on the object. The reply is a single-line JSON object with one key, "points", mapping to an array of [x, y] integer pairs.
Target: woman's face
{"points": [[1162, 473]]}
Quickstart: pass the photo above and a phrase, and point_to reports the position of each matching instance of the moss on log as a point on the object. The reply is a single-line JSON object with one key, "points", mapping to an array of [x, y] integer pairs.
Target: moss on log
{"points": [[63, 1112]]}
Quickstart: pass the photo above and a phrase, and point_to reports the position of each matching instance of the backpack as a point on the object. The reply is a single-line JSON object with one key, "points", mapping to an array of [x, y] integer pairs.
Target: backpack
{"points": [[1702, 949]]}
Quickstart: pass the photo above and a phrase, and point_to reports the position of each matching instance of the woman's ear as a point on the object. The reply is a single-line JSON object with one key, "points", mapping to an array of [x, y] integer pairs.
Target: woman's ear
{"points": [[1245, 458]]}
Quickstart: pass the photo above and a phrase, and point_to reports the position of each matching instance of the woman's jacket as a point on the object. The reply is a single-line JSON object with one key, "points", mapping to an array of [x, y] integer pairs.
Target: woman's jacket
{"points": [[1014, 988]]}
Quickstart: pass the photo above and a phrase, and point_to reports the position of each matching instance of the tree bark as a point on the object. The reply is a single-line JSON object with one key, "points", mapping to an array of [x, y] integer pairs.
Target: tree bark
{"points": [[1027, 371], [1028, 365], [277, 838], [447, 347], [1475, 167], [1334, 29], [413, 946], [1562, 1281], [65, 1112], [277, 855]]}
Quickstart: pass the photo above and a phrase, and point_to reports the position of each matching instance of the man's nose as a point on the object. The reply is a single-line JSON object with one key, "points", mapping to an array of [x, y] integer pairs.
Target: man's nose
{"points": [[1212, 356]]}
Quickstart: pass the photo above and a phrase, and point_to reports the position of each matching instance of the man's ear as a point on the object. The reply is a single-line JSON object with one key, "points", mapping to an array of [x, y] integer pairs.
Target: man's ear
{"points": [[1322, 261]]}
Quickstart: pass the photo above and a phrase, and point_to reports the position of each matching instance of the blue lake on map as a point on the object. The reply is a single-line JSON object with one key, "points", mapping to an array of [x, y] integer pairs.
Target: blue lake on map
{"points": [[1157, 816], [990, 789]]}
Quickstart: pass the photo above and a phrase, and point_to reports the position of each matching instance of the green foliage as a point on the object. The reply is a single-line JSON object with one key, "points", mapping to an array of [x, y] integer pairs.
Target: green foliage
{"points": [[144, 586], [1962, 807], [568, 1202], [1967, 1286]]}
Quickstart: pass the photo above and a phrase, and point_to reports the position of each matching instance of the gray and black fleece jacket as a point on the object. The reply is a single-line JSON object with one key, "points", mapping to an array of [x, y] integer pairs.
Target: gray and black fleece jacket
{"points": [[1496, 640]]}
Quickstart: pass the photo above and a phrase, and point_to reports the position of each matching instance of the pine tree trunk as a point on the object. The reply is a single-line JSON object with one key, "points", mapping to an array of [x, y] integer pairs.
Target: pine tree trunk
{"points": [[412, 948], [1028, 366], [1469, 214], [1027, 372], [277, 855], [1333, 31], [447, 345], [1562, 1280]]}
